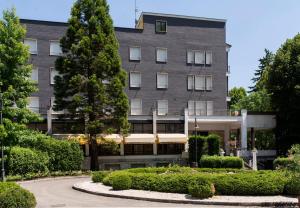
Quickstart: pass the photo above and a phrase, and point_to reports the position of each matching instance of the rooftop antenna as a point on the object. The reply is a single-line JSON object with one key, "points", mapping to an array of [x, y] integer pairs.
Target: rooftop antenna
{"points": [[135, 12]]}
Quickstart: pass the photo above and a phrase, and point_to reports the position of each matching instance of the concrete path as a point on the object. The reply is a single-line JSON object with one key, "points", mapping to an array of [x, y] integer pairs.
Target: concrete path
{"points": [[58, 192], [100, 189]]}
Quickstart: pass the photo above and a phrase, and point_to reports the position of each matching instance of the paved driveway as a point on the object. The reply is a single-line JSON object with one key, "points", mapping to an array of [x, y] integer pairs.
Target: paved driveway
{"points": [[59, 193]]}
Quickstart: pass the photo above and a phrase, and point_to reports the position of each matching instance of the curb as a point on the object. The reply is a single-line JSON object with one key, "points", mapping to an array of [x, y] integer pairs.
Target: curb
{"points": [[225, 203], [51, 178]]}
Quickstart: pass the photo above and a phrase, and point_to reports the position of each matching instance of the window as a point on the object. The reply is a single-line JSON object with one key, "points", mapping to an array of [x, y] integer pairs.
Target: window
{"points": [[32, 43], [199, 57], [190, 57], [208, 82], [208, 58], [35, 74], [136, 107], [190, 81], [55, 49], [210, 108], [191, 107], [162, 80], [34, 104], [135, 53], [161, 26], [161, 55], [199, 82], [52, 102], [200, 107], [162, 107], [53, 73], [135, 79], [138, 149]]}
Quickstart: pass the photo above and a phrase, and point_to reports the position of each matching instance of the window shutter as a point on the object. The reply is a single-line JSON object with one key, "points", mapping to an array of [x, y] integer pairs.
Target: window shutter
{"points": [[200, 108], [34, 104], [208, 82], [162, 80], [136, 107], [135, 79], [190, 82], [199, 82], [199, 57], [135, 53], [55, 49], [208, 58], [32, 45], [35, 74], [53, 73], [162, 107], [210, 108], [191, 107], [161, 55], [190, 57]]}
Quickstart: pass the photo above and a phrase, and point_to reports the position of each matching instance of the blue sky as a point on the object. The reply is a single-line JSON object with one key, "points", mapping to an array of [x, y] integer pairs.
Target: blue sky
{"points": [[252, 24]]}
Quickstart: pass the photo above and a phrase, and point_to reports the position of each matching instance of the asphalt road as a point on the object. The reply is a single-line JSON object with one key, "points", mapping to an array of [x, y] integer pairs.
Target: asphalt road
{"points": [[59, 193]]}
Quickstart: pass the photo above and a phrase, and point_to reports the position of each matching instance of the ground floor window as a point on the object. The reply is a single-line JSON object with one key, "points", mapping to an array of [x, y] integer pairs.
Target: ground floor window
{"points": [[164, 128], [138, 165], [169, 149], [138, 149]]}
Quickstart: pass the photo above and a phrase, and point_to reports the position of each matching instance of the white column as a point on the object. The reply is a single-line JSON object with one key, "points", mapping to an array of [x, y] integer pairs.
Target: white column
{"points": [[122, 148], [226, 139], [154, 131], [244, 130], [254, 159], [186, 128], [49, 121]]}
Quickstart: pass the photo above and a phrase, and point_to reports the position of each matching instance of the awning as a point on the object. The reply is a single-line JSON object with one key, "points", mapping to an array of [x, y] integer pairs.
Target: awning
{"points": [[115, 137], [140, 139], [172, 138]]}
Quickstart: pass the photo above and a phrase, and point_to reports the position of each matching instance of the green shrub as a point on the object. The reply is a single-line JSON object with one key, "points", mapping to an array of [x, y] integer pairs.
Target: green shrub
{"points": [[97, 177], [24, 160], [201, 147], [282, 162], [221, 162], [292, 187], [213, 144], [201, 188], [121, 182], [14, 196]]}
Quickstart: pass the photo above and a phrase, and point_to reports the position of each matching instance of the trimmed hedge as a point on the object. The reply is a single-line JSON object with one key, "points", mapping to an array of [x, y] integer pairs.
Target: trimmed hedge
{"points": [[282, 162], [201, 188], [22, 161], [221, 162], [292, 187], [201, 147], [213, 144], [97, 177], [121, 182], [14, 196]]}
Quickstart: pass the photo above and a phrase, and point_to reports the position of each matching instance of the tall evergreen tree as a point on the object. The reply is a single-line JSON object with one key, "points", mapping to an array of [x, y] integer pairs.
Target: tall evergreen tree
{"points": [[15, 72], [91, 82]]}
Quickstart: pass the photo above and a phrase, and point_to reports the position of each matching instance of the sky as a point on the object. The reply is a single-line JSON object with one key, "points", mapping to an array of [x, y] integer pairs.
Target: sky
{"points": [[252, 25]]}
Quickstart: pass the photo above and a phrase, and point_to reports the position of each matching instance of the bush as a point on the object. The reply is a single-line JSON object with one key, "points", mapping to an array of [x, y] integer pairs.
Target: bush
{"points": [[201, 188], [282, 162], [292, 187], [24, 160], [121, 182], [221, 162], [213, 144], [97, 177], [201, 147], [14, 196]]}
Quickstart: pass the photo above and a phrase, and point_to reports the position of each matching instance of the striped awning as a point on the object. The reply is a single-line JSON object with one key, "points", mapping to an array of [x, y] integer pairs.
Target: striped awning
{"points": [[140, 139], [172, 138]]}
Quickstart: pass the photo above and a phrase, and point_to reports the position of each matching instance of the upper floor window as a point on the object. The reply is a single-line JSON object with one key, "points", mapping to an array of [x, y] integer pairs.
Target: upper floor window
{"points": [[161, 26], [35, 74], [135, 53], [208, 82], [199, 82], [55, 49], [52, 101], [34, 104], [53, 73], [161, 55], [208, 57], [136, 107], [162, 80], [135, 79], [162, 107], [209, 108], [199, 57], [190, 82], [32, 43], [200, 108]]}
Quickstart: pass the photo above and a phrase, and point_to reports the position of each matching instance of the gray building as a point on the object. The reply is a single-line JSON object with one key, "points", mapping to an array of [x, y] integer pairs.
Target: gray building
{"points": [[177, 73]]}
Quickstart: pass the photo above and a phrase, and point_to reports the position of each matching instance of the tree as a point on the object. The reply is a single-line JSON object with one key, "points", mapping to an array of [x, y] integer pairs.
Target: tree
{"points": [[236, 94], [15, 73], [261, 74], [283, 84], [91, 82]]}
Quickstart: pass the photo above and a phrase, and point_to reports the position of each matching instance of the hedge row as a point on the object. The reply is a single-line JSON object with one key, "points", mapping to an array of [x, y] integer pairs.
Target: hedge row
{"points": [[240, 183], [221, 162], [282, 162], [14, 196]]}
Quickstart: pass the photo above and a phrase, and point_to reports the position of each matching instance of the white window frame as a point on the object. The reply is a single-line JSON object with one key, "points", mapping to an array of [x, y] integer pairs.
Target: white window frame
{"points": [[131, 84], [202, 61], [201, 87], [35, 109], [211, 58], [161, 49], [51, 52], [162, 107], [158, 85], [208, 83], [52, 80], [140, 53], [137, 111], [209, 108], [37, 74], [52, 100], [190, 60], [35, 50], [190, 82]]}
